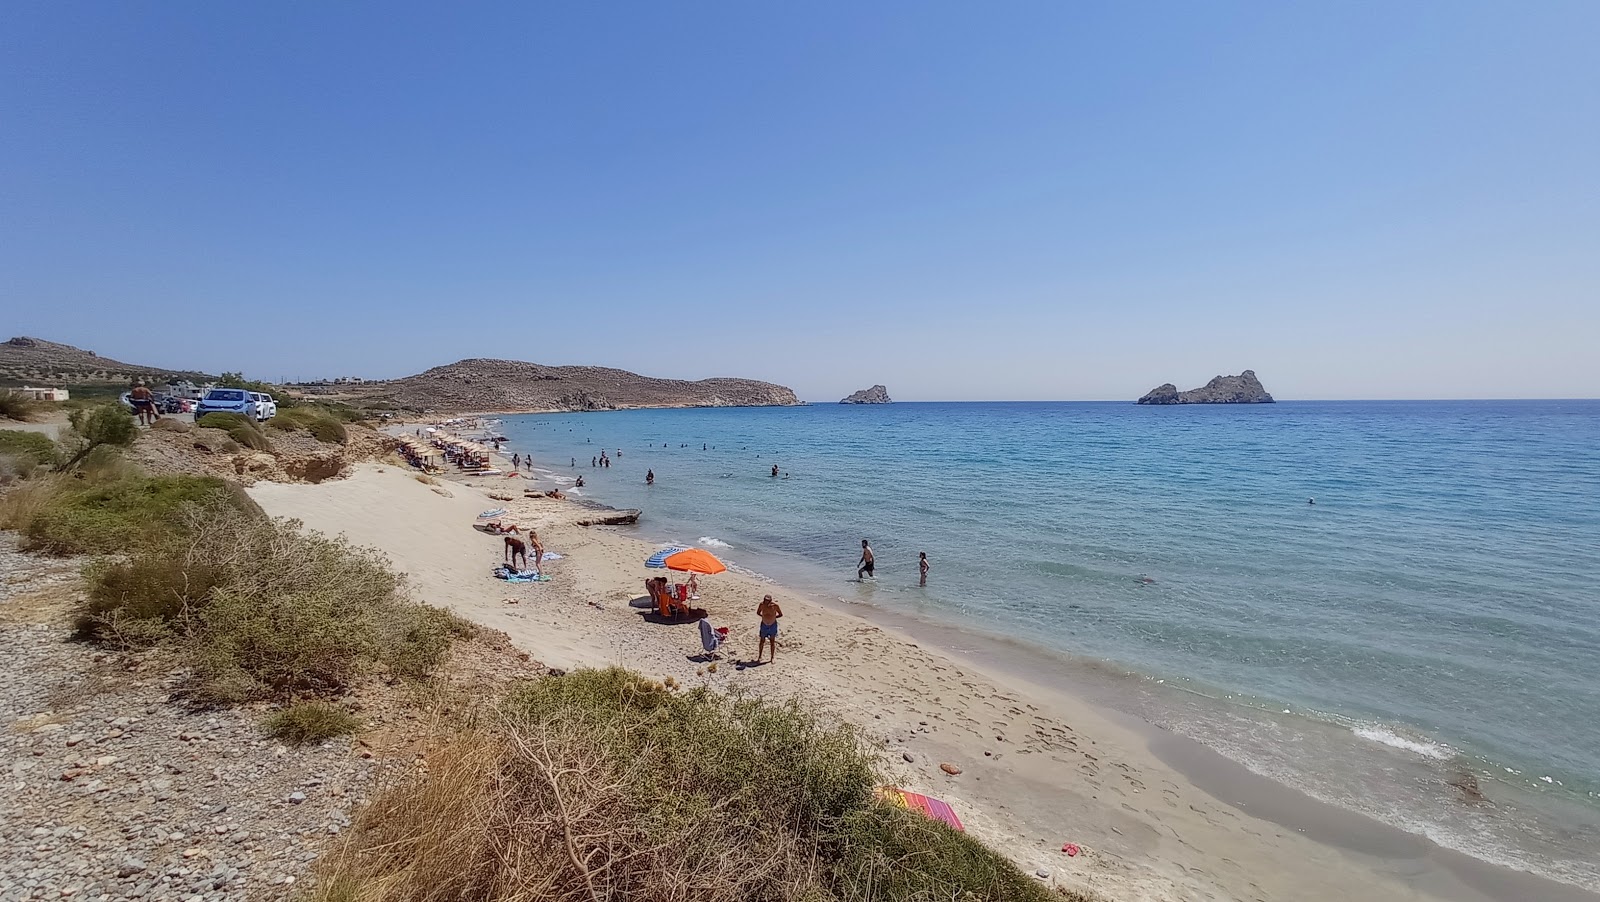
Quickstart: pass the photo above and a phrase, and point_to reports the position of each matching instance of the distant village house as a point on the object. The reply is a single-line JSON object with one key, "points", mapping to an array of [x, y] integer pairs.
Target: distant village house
{"points": [[44, 394]]}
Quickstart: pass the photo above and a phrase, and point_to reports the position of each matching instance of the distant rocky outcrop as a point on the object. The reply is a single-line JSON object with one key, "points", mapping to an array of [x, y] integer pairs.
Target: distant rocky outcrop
{"points": [[40, 362], [484, 385], [874, 395], [1244, 388]]}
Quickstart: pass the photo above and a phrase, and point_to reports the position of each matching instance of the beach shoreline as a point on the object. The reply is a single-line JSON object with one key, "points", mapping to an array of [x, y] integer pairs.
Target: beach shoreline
{"points": [[1040, 765]]}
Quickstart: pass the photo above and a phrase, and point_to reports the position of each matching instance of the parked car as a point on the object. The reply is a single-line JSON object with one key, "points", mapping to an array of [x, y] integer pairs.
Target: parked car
{"points": [[227, 400], [266, 406]]}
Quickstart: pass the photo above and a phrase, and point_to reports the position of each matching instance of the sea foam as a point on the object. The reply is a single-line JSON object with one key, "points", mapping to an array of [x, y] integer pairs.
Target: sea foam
{"points": [[713, 542], [1426, 749]]}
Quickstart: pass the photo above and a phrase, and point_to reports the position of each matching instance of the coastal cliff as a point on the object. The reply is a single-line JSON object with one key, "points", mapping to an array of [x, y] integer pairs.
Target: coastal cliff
{"points": [[1244, 388], [874, 395]]}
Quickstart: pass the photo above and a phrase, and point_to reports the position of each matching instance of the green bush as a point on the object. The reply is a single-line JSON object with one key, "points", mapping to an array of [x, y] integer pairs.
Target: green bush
{"points": [[121, 514], [313, 418], [34, 445], [100, 426], [15, 405], [307, 722], [239, 427]]}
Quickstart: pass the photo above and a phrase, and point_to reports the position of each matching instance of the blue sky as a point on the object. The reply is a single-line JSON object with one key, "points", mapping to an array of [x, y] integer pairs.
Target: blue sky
{"points": [[999, 200]]}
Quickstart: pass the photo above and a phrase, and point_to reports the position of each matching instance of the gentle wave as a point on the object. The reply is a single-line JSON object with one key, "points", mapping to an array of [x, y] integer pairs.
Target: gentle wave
{"points": [[713, 542], [1436, 751]]}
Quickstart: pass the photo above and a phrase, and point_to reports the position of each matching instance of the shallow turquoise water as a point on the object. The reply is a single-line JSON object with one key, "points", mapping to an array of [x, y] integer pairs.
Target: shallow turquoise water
{"points": [[1436, 610]]}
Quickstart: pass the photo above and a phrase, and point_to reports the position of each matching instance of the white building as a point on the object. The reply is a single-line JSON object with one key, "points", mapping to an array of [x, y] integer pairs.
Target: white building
{"points": [[45, 394]]}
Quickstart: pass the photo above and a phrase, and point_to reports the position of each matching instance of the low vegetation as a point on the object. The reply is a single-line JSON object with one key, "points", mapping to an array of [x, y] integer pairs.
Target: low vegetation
{"points": [[97, 426], [306, 722], [604, 785], [239, 427], [110, 512], [262, 609], [15, 405], [322, 423], [22, 453]]}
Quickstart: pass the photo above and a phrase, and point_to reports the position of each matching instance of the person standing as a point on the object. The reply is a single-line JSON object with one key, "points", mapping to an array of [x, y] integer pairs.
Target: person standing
{"points": [[650, 477], [922, 567], [144, 403], [516, 461], [538, 551], [865, 565], [774, 471], [769, 612]]}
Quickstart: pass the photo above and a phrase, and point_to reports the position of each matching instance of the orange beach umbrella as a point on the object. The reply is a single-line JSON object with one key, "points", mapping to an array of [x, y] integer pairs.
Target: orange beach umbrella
{"points": [[694, 560]]}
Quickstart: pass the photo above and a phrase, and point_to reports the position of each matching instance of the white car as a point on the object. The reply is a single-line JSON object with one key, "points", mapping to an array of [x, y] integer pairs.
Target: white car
{"points": [[266, 406]]}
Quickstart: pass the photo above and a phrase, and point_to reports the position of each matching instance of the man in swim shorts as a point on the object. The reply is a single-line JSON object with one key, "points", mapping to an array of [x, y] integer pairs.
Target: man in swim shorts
{"points": [[864, 567], [515, 548], [769, 612], [144, 404]]}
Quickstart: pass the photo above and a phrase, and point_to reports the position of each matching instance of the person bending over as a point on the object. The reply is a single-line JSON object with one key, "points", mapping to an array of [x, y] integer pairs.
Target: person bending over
{"points": [[516, 548]]}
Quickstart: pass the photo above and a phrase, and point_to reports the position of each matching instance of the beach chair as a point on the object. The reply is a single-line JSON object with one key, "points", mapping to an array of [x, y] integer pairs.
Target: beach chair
{"points": [[711, 639]]}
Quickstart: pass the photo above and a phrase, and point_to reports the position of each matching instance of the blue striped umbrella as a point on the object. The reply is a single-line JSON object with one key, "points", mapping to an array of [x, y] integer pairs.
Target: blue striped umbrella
{"points": [[659, 559]]}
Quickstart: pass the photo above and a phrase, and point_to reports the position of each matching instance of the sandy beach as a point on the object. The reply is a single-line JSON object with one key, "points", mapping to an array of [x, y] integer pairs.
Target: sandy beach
{"points": [[1038, 767]]}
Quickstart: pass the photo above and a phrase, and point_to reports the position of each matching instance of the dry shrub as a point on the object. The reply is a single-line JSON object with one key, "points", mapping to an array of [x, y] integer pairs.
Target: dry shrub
{"points": [[308, 722], [603, 785], [21, 504], [15, 405], [35, 446]]}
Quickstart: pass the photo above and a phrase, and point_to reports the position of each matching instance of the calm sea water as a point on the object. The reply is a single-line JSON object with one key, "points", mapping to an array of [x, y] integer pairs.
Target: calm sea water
{"points": [[1435, 612]]}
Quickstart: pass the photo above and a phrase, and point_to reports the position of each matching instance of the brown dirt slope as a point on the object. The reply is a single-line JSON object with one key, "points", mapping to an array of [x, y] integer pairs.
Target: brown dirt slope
{"points": [[36, 361], [512, 385]]}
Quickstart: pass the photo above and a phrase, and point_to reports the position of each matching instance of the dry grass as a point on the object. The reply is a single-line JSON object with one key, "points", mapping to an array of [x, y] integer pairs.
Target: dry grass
{"points": [[15, 405], [604, 786]]}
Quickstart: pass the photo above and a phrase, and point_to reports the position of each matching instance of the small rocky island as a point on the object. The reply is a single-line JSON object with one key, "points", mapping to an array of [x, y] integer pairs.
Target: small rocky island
{"points": [[874, 395], [1244, 388]]}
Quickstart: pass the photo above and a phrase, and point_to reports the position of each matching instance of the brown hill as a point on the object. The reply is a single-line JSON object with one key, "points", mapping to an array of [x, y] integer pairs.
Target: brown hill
{"points": [[39, 362], [483, 385]]}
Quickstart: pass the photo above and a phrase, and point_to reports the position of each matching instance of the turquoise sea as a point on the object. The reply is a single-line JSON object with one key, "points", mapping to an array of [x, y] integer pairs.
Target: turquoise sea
{"points": [[1435, 613]]}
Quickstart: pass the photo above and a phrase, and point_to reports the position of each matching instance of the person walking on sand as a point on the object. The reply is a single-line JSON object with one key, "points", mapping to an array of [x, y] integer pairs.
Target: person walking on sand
{"points": [[922, 567], [538, 551], [864, 566], [649, 477], [516, 548], [516, 461], [769, 612]]}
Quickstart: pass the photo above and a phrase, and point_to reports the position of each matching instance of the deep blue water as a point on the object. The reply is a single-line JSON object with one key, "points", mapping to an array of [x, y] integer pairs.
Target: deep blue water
{"points": [[1436, 610]]}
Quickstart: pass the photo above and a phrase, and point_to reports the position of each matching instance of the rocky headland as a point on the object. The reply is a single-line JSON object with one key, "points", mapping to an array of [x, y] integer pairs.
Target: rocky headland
{"points": [[508, 386], [1244, 388], [874, 395]]}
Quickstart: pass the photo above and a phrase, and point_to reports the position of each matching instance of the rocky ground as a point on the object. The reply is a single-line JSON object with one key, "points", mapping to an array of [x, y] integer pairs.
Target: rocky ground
{"points": [[119, 791], [175, 446]]}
